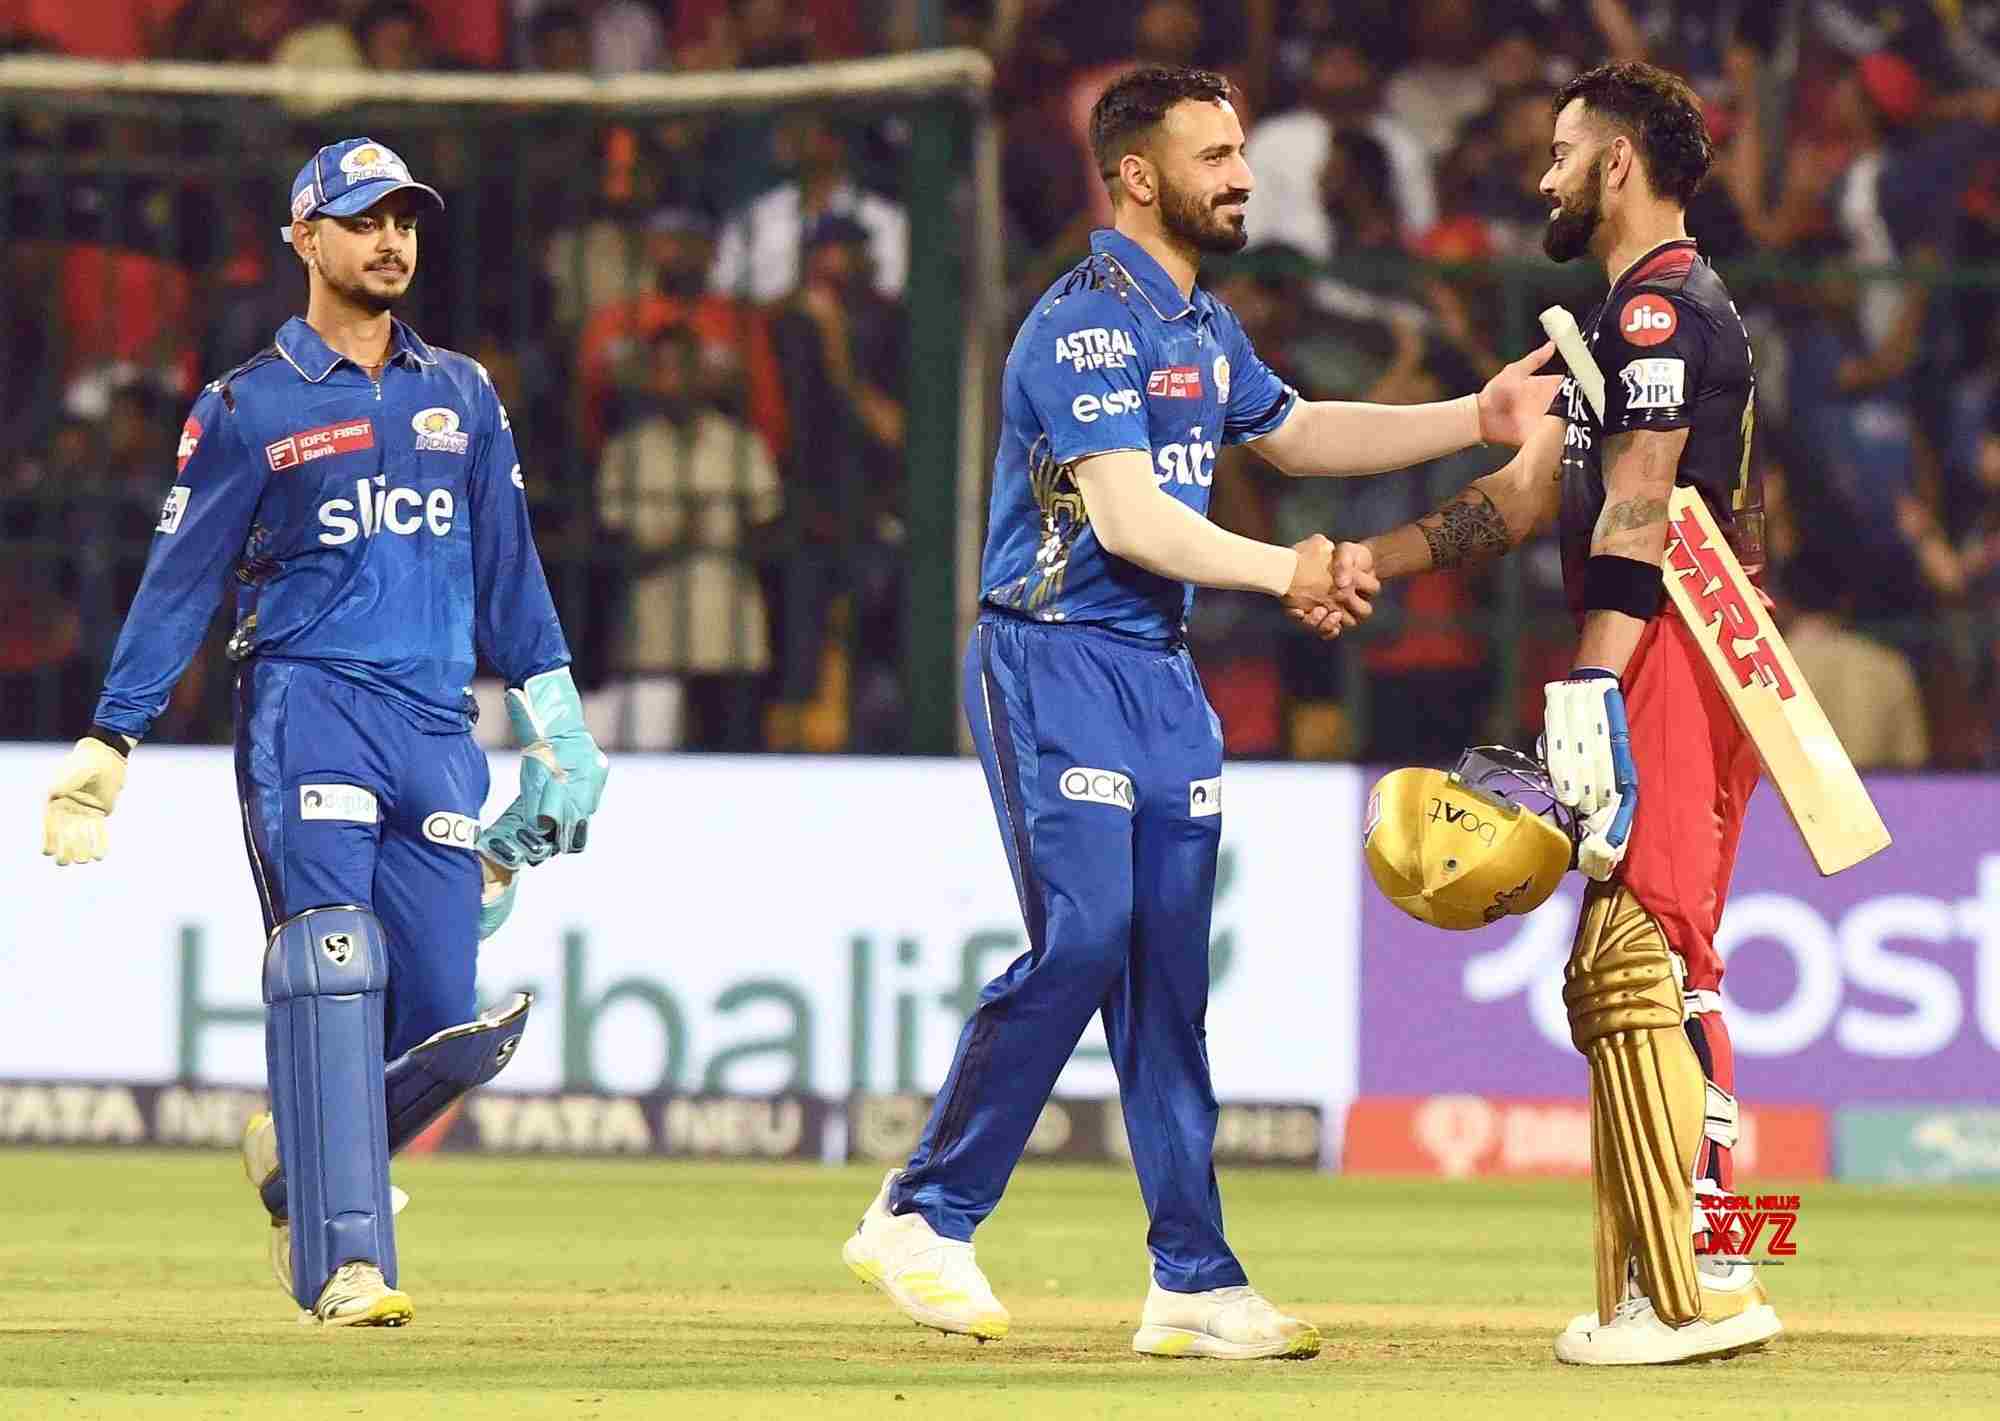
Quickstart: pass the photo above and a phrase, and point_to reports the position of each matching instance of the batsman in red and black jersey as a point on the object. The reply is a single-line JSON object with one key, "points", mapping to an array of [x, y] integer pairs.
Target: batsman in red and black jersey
{"points": [[1639, 741]]}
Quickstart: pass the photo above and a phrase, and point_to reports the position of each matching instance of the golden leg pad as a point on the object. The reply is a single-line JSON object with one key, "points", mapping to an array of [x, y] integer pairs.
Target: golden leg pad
{"points": [[1646, 1101]]}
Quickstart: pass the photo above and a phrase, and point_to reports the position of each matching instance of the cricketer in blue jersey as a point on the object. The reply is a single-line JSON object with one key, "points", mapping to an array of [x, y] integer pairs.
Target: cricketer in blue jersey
{"points": [[1101, 752], [359, 492]]}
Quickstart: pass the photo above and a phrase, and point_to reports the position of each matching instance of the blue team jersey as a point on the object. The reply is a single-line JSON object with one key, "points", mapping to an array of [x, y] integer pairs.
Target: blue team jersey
{"points": [[1113, 357], [377, 529]]}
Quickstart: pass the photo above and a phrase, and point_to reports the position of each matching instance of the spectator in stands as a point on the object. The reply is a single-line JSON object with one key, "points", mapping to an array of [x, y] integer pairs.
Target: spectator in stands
{"points": [[558, 39], [841, 348], [683, 493], [1868, 690], [394, 37], [1289, 151], [758, 254], [618, 36], [224, 31], [738, 369]]}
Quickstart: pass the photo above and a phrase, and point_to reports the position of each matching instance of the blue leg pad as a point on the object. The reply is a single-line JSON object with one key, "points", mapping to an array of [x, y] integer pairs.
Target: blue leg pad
{"points": [[325, 974], [423, 1082]]}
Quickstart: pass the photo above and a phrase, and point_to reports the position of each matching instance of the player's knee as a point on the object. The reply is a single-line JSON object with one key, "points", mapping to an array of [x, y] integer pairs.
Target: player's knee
{"points": [[1091, 943], [325, 952]]}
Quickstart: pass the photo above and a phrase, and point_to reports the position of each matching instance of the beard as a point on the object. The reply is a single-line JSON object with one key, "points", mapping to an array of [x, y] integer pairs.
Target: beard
{"points": [[1568, 234], [1194, 220], [372, 299]]}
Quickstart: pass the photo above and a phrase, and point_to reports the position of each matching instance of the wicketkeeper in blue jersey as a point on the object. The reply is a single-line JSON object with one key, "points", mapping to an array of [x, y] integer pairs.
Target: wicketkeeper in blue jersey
{"points": [[360, 492], [1102, 754]]}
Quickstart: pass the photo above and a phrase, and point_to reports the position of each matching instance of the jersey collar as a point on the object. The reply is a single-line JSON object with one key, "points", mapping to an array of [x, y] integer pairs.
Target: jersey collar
{"points": [[314, 359], [1147, 274], [1671, 257]]}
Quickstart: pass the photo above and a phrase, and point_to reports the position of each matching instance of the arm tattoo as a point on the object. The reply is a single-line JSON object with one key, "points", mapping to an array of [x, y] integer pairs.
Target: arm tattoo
{"points": [[1466, 532], [1629, 514]]}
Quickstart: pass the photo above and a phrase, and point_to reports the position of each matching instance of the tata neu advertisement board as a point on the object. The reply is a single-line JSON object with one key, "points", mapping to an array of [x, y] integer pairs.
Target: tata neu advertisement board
{"points": [[818, 929]]}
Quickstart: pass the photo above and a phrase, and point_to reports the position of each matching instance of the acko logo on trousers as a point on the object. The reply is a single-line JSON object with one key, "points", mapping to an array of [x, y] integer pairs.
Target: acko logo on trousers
{"points": [[1088, 786], [454, 831]]}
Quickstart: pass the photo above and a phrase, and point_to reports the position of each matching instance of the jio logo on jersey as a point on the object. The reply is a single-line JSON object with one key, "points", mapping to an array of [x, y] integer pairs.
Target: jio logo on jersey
{"points": [[1646, 320], [372, 510], [1189, 463]]}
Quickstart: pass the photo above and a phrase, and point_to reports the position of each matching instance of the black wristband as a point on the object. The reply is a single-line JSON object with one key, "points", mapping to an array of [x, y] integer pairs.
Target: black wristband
{"points": [[109, 737], [1615, 584]]}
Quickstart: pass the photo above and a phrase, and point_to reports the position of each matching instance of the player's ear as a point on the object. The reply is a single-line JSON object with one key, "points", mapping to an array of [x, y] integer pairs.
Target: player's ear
{"points": [[1136, 178], [1619, 163]]}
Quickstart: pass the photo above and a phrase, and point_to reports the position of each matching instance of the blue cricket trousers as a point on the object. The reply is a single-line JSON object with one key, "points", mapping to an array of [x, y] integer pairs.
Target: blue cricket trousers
{"points": [[1104, 760], [346, 800]]}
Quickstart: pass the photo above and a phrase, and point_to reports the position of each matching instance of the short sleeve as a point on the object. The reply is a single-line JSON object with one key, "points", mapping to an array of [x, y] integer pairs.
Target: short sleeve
{"points": [[1651, 349], [1256, 401], [1084, 378]]}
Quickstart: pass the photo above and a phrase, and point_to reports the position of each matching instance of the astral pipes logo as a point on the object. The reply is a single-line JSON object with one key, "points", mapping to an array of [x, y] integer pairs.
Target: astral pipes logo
{"points": [[1738, 1222]]}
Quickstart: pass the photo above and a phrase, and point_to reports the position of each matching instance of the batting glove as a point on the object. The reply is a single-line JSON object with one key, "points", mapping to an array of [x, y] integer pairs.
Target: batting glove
{"points": [[75, 827], [1588, 749]]}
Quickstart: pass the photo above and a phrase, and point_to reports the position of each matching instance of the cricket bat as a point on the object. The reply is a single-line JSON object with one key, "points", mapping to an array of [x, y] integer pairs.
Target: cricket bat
{"points": [[1749, 660]]}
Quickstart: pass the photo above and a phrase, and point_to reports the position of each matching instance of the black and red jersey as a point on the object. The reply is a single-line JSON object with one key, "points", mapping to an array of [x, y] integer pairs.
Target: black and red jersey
{"points": [[1674, 355]]}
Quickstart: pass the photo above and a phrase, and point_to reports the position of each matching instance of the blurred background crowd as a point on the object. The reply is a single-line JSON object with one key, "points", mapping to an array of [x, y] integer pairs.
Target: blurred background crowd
{"points": [[699, 326]]}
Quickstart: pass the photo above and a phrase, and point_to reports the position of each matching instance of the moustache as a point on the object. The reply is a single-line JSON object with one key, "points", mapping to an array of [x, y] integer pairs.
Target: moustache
{"points": [[1229, 198]]}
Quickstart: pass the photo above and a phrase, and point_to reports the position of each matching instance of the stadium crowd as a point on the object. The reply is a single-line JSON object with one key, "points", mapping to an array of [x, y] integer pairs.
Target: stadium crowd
{"points": [[700, 331]]}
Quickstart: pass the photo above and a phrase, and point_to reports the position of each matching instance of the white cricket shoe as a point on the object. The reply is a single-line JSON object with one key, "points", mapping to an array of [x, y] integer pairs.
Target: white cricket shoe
{"points": [[1234, 1323], [1736, 1316], [934, 1280], [260, 1162], [356, 1296]]}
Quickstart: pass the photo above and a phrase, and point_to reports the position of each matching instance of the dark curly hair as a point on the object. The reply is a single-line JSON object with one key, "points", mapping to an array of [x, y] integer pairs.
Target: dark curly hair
{"points": [[1658, 112], [1130, 106]]}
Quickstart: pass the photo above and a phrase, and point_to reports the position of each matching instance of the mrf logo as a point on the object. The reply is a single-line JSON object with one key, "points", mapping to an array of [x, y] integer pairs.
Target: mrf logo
{"points": [[1723, 602], [1738, 1223]]}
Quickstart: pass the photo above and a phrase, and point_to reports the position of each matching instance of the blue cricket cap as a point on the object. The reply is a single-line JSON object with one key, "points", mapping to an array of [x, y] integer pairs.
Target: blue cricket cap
{"points": [[348, 177]]}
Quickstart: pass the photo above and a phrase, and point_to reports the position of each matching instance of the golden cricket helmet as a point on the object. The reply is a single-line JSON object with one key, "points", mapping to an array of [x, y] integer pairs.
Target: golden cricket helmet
{"points": [[1462, 849]]}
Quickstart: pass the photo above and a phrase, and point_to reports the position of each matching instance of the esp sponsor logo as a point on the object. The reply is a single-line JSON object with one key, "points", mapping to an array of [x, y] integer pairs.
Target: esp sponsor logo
{"points": [[372, 510], [1204, 797], [190, 438], [1724, 601], [302, 448], [437, 429], [351, 803], [1086, 408], [1089, 786], [454, 831], [1657, 383], [1647, 319], [1096, 348], [1175, 382], [173, 508], [1189, 463]]}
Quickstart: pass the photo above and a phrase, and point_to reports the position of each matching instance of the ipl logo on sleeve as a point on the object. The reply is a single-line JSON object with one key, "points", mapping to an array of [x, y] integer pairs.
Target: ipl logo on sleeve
{"points": [[437, 429]]}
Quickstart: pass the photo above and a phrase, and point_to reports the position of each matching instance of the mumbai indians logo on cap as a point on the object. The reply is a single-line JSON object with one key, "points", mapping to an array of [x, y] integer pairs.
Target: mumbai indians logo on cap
{"points": [[437, 428], [372, 161]]}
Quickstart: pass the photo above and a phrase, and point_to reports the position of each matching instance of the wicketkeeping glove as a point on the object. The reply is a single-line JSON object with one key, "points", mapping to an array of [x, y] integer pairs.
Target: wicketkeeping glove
{"points": [[496, 896], [562, 774], [1588, 750], [75, 826]]}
